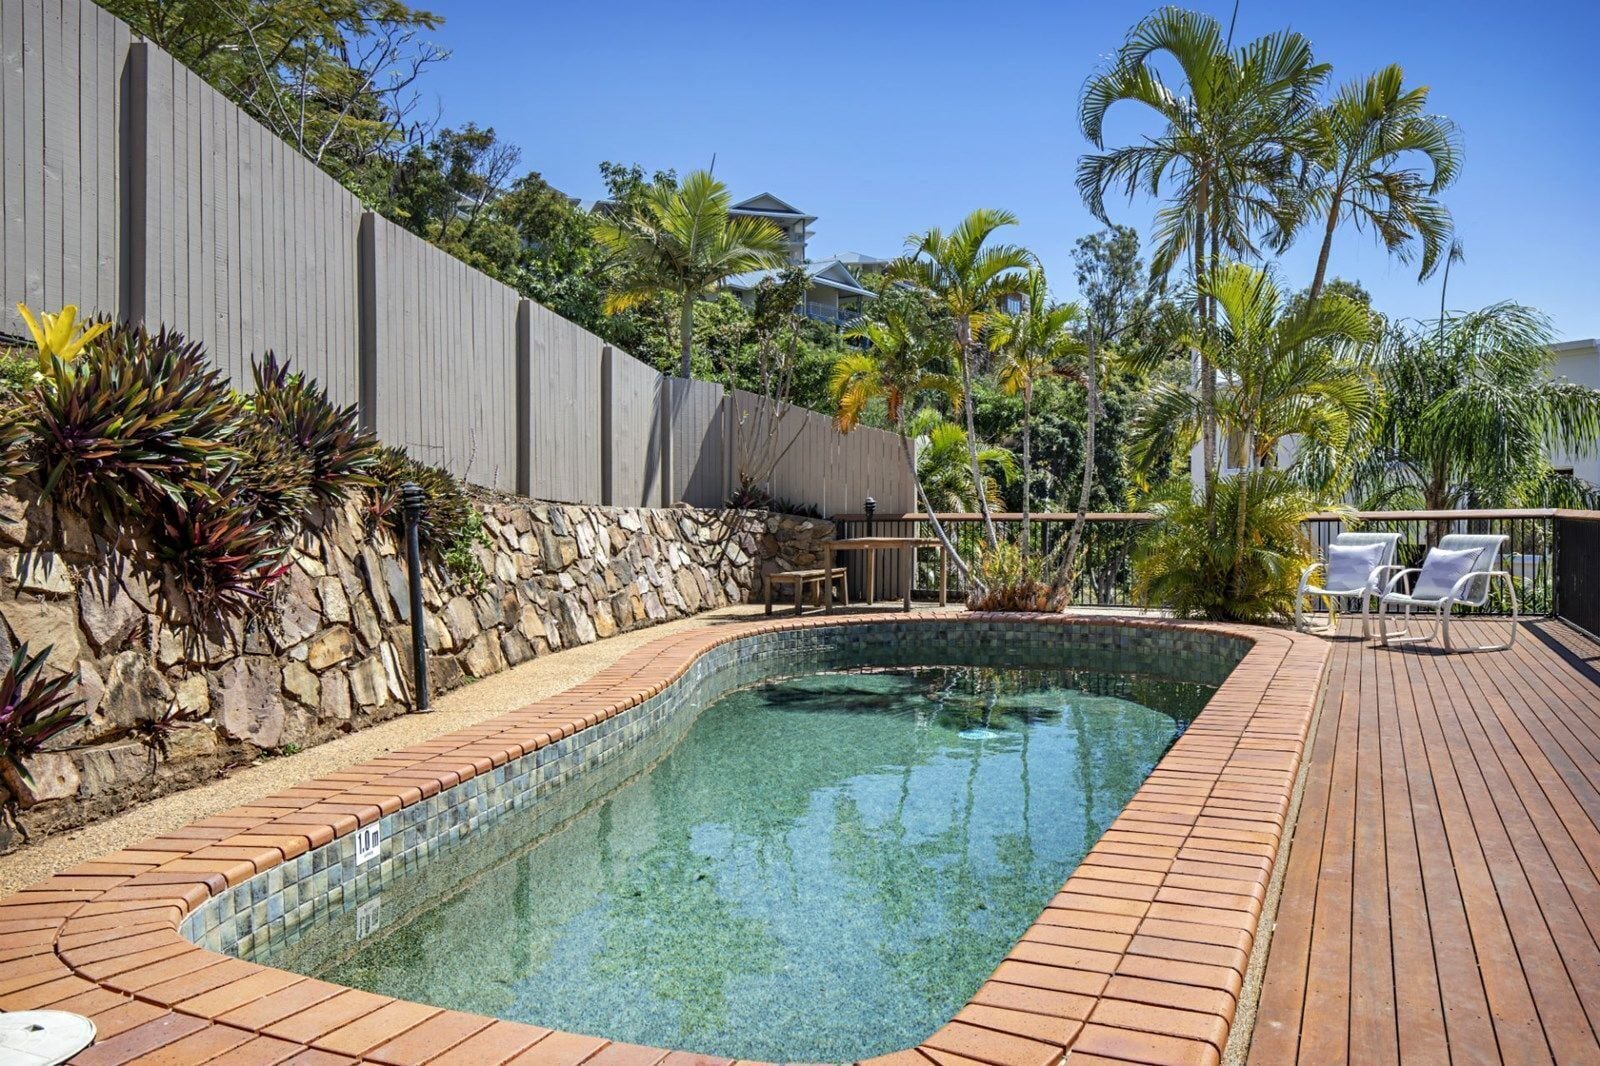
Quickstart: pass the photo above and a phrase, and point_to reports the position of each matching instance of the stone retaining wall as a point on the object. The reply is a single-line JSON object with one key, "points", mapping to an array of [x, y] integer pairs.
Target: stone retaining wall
{"points": [[331, 654]]}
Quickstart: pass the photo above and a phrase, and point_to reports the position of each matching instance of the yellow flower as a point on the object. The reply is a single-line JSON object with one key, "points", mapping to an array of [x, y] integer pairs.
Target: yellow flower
{"points": [[61, 335]]}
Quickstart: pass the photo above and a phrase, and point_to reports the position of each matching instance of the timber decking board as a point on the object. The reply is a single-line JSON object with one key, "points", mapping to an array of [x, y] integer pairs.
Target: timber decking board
{"points": [[1442, 894]]}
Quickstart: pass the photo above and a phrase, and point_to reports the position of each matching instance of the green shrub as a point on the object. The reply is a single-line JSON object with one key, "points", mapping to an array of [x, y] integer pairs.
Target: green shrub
{"points": [[342, 454], [1198, 568], [135, 420], [19, 369], [33, 708], [1013, 582], [450, 524]]}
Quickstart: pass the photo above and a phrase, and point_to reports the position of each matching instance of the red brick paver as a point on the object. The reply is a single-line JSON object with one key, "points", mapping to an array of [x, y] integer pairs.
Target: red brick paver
{"points": [[1138, 958]]}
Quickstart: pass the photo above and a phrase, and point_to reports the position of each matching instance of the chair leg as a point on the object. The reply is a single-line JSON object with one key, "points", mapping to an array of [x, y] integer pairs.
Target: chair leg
{"points": [[1366, 617]]}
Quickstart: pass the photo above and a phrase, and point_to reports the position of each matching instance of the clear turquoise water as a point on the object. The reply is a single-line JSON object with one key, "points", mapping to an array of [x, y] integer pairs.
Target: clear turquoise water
{"points": [[825, 868]]}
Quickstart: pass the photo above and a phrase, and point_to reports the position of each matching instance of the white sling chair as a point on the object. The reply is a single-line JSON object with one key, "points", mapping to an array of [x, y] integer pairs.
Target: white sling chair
{"points": [[1461, 570], [1347, 578]]}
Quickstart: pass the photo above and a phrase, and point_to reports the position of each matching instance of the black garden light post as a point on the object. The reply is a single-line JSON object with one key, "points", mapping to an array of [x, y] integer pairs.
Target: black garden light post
{"points": [[870, 506], [412, 499]]}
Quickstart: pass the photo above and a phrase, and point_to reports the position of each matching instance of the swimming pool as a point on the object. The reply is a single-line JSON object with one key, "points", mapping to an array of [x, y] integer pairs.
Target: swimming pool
{"points": [[824, 867], [495, 887]]}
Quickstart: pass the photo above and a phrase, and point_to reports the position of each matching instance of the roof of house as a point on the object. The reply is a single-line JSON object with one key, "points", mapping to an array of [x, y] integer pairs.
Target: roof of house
{"points": [[829, 273], [769, 206]]}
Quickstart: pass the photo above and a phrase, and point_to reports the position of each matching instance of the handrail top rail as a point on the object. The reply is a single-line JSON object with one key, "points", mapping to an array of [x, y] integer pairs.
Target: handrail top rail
{"points": [[1146, 516]]}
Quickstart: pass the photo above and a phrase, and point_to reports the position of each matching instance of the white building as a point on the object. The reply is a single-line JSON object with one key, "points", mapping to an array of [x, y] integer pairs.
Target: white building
{"points": [[1576, 361], [1579, 363]]}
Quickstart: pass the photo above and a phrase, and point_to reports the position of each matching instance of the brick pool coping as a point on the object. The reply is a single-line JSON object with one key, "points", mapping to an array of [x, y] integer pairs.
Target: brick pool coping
{"points": [[1140, 956]]}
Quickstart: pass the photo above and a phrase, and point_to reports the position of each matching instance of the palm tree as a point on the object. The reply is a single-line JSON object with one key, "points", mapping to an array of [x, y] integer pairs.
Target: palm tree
{"points": [[1283, 369], [899, 365], [943, 458], [1226, 153], [1356, 144], [1471, 414], [683, 241], [969, 276], [1032, 345]]}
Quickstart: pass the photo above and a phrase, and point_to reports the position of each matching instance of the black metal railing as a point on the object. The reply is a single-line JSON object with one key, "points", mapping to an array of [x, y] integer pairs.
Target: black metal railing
{"points": [[1577, 570], [1105, 578]]}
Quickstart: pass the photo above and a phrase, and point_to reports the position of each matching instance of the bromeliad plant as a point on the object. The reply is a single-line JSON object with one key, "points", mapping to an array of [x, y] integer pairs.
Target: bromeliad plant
{"points": [[140, 420], [221, 557], [33, 709], [342, 455]]}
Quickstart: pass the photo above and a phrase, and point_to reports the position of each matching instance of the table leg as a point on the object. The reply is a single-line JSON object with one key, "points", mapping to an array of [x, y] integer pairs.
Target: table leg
{"points": [[827, 586], [872, 576], [944, 576], [909, 572]]}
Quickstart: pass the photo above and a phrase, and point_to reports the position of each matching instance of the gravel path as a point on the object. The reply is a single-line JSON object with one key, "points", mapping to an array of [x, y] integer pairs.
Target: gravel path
{"points": [[533, 680]]}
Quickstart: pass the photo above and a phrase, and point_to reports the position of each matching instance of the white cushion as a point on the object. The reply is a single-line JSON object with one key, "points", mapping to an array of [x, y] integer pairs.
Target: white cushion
{"points": [[1441, 570], [1350, 565]]}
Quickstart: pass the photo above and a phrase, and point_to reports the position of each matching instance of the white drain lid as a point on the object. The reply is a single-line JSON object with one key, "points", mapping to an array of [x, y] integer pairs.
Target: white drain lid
{"points": [[43, 1037]]}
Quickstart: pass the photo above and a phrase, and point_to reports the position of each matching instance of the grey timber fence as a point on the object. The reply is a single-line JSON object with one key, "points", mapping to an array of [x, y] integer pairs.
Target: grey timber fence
{"points": [[131, 188]]}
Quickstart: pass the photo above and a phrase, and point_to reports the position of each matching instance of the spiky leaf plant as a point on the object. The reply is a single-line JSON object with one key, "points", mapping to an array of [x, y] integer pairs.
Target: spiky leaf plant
{"points": [[341, 453], [450, 524], [221, 557], [1198, 568], [275, 474], [132, 422], [33, 708]]}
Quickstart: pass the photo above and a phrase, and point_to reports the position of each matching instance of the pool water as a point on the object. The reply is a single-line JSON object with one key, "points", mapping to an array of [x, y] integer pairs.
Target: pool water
{"points": [[824, 868]]}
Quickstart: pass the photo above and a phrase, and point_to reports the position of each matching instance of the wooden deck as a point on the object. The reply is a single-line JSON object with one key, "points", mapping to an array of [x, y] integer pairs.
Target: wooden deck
{"points": [[1442, 898]]}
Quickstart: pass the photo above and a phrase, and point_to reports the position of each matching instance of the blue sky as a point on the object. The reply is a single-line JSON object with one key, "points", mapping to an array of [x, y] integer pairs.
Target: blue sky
{"points": [[884, 118]]}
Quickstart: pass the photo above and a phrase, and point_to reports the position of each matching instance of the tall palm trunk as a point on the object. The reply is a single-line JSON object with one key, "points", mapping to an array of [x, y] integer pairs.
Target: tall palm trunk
{"points": [[1062, 585], [1321, 275], [964, 343], [1208, 394], [933, 518], [686, 334], [1027, 467]]}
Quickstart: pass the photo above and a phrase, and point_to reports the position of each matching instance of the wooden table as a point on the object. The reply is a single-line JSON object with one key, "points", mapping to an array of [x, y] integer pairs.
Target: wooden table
{"points": [[872, 546]]}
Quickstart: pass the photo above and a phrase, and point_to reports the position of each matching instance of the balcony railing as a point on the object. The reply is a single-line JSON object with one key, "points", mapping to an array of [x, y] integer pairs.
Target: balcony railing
{"points": [[834, 316], [1552, 555]]}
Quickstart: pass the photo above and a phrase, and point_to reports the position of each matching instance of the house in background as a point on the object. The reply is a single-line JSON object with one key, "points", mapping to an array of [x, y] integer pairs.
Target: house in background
{"points": [[1579, 363], [1576, 361], [835, 294], [795, 224]]}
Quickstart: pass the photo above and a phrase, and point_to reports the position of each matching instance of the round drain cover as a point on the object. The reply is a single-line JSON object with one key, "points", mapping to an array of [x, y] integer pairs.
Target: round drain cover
{"points": [[43, 1037]]}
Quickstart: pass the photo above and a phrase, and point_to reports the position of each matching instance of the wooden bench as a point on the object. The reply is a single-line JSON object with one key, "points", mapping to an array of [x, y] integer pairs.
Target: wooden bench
{"points": [[801, 580]]}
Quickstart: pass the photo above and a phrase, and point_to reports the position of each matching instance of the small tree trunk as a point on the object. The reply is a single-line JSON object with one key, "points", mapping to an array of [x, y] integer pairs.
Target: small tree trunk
{"points": [[1061, 586], [933, 518], [686, 334], [964, 341]]}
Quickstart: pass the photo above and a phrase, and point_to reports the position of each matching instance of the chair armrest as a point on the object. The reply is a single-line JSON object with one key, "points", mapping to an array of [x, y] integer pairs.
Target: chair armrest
{"points": [[1305, 575], [1394, 582], [1380, 575]]}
